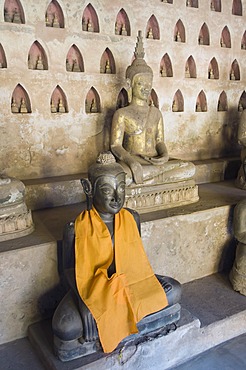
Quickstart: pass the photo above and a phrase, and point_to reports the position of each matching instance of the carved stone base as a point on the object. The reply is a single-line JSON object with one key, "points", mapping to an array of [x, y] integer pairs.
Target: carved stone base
{"points": [[156, 197], [15, 217]]}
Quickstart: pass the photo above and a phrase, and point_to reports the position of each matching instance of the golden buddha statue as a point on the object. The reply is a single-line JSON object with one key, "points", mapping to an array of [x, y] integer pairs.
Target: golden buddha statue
{"points": [[137, 135]]}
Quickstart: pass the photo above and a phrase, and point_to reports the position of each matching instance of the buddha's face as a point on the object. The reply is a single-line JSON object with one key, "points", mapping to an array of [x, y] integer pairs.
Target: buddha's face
{"points": [[141, 86], [109, 193]]}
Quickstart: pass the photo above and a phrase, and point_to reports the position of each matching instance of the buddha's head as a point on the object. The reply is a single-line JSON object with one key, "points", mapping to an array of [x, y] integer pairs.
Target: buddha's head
{"points": [[139, 75], [106, 184]]}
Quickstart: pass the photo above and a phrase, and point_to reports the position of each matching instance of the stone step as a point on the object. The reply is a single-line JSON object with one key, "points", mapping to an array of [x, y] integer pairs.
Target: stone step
{"points": [[187, 242], [64, 190]]}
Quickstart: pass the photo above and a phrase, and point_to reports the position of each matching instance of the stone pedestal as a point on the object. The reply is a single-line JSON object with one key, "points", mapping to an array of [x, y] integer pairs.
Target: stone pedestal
{"points": [[15, 218], [161, 196]]}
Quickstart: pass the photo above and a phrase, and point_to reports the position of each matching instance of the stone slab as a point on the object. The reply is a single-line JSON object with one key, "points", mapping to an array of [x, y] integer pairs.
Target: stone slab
{"points": [[41, 337]]}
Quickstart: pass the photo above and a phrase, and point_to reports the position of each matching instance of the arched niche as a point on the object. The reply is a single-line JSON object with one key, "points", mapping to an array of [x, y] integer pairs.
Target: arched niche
{"points": [[225, 40], [20, 102], [179, 32], [122, 24], [153, 99], [203, 38], [167, 1], [215, 5], [235, 71], [201, 102], [3, 60], [237, 8], [122, 100], [37, 58], [192, 3], [74, 60], [222, 102], [54, 15], [90, 20], [190, 68], [166, 69], [178, 102], [92, 101], [243, 42], [152, 29], [13, 11], [213, 70], [58, 101], [242, 102], [107, 63]]}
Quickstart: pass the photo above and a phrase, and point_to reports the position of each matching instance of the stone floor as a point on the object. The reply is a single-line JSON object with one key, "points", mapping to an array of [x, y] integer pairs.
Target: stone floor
{"points": [[210, 299]]}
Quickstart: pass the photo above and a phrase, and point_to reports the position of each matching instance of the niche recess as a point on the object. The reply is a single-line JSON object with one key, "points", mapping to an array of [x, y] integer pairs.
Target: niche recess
{"points": [[152, 29], [242, 102], [3, 60], [167, 1], [107, 63], [92, 101], [37, 58], [122, 24], [215, 5], [179, 32], [235, 72], [54, 15], [122, 100], [237, 7], [213, 70], [153, 99], [192, 3], [178, 102], [201, 102], [225, 40], [222, 102], [166, 69], [74, 60], [13, 12], [20, 102], [203, 38], [243, 42], [58, 101], [90, 20], [190, 68]]}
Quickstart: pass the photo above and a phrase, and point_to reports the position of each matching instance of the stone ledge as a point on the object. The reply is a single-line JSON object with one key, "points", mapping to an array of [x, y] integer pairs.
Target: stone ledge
{"points": [[64, 190]]}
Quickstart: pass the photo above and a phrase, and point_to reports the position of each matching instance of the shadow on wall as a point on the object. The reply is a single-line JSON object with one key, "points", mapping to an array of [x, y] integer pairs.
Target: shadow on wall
{"points": [[229, 250], [223, 142]]}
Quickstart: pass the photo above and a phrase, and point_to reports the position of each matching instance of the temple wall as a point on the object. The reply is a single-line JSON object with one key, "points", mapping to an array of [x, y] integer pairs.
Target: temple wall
{"points": [[41, 144]]}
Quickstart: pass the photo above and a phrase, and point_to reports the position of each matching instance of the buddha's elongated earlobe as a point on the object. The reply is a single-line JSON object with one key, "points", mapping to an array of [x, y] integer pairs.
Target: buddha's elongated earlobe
{"points": [[87, 187]]}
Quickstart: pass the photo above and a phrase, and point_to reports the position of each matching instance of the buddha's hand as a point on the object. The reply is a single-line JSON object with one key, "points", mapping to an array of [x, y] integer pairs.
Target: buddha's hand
{"points": [[137, 171], [89, 325], [160, 160]]}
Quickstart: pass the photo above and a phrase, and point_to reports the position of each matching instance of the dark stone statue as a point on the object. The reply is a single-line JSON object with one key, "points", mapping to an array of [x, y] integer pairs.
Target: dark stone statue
{"points": [[74, 327]]}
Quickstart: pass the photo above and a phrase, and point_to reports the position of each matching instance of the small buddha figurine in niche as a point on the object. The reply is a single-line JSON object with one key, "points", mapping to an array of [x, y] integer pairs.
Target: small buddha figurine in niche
{"points": [[76, 67], [93, 108], [222, 44], [238, 273], [53, 107], [150, 34], [163, 71], [84, 24], [212, 7], [240, 107], [7, 17], [61, 108], [137, 134], [16, 17], [123, 30], [104, 264], [175, 107], [198, 107], [211, 74], [68, 66], [14, 107], [241, 177], [47, 21], [23, 108], [232, 76], [56, 23], [107, 67], [187, 72], [200, 40], [178, 37], [90, 27], [40, 65], [117, 28]]}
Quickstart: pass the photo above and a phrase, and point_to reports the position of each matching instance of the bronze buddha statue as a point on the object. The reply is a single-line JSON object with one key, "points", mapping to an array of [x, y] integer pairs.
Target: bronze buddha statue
{"points": [[137, 134], [108, 273]]}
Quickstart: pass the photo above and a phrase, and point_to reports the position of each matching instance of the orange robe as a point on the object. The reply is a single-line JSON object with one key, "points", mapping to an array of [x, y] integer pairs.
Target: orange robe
{"points": [[119, 302]]}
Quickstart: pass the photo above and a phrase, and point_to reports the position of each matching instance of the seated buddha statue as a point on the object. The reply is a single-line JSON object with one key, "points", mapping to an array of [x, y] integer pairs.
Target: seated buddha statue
{"points": [[137, 133], [241, 178], [113, 289]]}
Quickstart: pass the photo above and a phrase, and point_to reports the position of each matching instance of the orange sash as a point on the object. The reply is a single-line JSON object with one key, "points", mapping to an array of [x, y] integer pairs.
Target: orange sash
{"points": [[119, 302]]}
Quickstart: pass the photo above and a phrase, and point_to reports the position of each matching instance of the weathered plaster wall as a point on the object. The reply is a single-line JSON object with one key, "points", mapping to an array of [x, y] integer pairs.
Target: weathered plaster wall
{"points": [[41, 144]]}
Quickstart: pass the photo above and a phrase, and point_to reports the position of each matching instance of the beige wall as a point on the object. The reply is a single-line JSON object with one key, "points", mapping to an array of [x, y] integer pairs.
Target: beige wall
{"points": [[41, 144]]}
